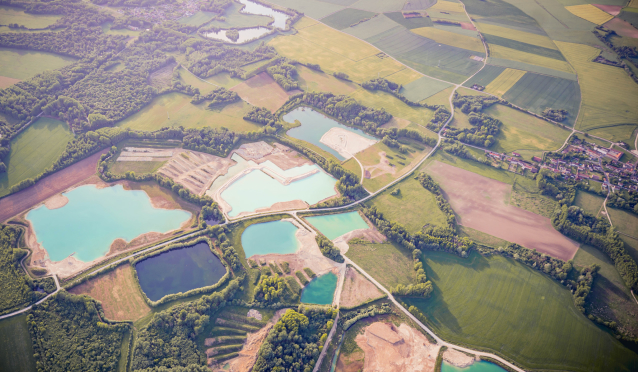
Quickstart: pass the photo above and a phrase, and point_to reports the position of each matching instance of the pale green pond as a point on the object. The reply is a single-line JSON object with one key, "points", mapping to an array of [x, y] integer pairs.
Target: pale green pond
{"points": [[335, 225], [270, 237], [93, 218], [314, 125], [259, 189], [320, 290], [252, 7]]}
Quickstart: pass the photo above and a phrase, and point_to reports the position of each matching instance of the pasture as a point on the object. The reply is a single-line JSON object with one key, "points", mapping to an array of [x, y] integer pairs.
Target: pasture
{"points": [[311, 80], [118, 292], [504, 81], [393, 105], [220, 80], [618, 133], [590, 203], [23, 64], [404, 76], [139, 167], [498, 51], [485, 76], [441, 98], [525, 194], [346, 17], [423, 88], [624, 221], [380, 6], [609, 297], [9, 15], [337, 42], [515, 311], [33, 150], [483, 204], [608, 93], [175, 109], [451, 38], [16, 353], [388, 263], [513, 34], [414, 207], [262, 91]]}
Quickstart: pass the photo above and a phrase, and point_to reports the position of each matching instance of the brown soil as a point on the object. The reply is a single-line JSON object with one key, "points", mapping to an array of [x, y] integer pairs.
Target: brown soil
{"points": [[622, 28], [14, 204], [481, 204], [6, 82], [396, 349], [350, 363], [357, 289], [262, 91], [468, 26], [248, 354], [118, 292], [161, 78], [383, 167], [196, 171], [56, 201]]}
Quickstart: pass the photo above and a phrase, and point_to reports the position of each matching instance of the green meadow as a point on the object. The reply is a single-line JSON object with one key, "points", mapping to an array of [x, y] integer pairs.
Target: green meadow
{"points": [[16, 353], [23, 64]]}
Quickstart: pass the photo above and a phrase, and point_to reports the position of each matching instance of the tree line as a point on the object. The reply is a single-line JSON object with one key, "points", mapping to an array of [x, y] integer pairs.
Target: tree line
{"points": [[328, 249]]}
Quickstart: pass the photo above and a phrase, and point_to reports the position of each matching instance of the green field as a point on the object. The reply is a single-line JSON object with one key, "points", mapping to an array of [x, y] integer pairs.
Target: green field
{"points": [[624, 221], [410, 23], [386, 262], [525, 47], [138, 167], [175, 109], [506, 307], [380, 5], [525, 194], [33, 150], [23, 64], [536, 92], [393, 105], [371, 28], [312, 8], [16, 353], [631, 246], [589, 202], [423, 88], [9, 15], [485, 76], [346, 17], [619, 133], [414, 207]]}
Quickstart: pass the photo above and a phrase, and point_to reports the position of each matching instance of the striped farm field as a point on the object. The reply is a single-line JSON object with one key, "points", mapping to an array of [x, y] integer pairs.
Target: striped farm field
{"points": [[485, 76], [498, 51], [423, 88], [393, 105], [405, 76], [504, 306], [448, 6], [338, 42], [590, 13], [608, 93], [513, 34], [524, 47], [504, 81], [346, 17], [451, 38]]}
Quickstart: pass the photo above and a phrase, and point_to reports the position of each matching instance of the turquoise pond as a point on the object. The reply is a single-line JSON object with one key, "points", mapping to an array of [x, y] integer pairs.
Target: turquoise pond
{"points": [[320, 290], [314, 125], [270, 237], [480, 366], [259, 190], [179, 270], [93, 218], [335, 225]]}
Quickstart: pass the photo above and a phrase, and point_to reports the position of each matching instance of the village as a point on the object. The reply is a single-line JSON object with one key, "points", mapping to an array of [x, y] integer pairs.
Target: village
{"points": [[580, 160]]}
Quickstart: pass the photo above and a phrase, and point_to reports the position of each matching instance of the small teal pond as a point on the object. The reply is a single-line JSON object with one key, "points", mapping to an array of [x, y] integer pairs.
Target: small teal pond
{"points": [[179, 270], [314, 125], [320, 290], [480, 366], [93, 218], [258, 190], [270, 237], [335, 225], [252, 7]]}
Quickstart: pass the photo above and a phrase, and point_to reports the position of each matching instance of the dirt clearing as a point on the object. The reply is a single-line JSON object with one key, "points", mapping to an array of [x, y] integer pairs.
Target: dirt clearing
{"points": [[196, 171], [345, 142], [481, 203], [357, 289], [262, 91], [396, 349], [6, 82], [118, 292], [13, 205]]}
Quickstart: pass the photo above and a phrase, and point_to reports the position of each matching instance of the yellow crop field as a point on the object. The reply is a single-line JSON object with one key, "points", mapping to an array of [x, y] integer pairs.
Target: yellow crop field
{"points": [[448, 6], [504, 81], [498, 51], [441, 98], [305, 51], [590, 13], [404, 76], [522, 36], [304, 22], [633, 4], [451, 38], [337, 41], [393, 105], [608, 93]]}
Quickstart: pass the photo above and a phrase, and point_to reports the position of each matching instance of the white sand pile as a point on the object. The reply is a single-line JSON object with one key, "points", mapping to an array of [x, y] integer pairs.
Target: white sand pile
{"points": [[345, 142]]}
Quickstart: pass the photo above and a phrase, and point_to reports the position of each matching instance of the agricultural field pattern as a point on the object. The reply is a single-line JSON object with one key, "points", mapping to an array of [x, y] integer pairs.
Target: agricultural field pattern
{"points": [[318, 185]]}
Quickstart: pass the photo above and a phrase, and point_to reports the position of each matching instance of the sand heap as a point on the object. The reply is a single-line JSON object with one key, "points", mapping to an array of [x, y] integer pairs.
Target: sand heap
{"points": [[196, 171], [345, 142], [391, 349], [357, 289]]}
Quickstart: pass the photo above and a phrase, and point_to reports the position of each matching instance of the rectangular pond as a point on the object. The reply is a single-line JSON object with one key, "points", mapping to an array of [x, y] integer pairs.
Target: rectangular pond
{"points": [[314, 125], [179, 270], [335, 225], [270, 237], [93, 218], [320, 290]]}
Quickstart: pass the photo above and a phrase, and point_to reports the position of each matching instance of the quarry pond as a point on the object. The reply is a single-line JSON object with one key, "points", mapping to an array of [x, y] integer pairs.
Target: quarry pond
{"points": [[270, 237], [179, 270], [335, 225], [314, 125], [94, 217], [320, 290], [480, 366]]}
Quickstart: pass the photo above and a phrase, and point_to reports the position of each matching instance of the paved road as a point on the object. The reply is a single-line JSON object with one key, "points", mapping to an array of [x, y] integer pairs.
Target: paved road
{"points": [[57, 285]]}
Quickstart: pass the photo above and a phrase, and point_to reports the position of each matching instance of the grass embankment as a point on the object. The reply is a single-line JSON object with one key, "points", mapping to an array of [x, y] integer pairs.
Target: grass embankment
{"points": [[16, 353], [503, 306], [386, 262], [33, 150]]}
